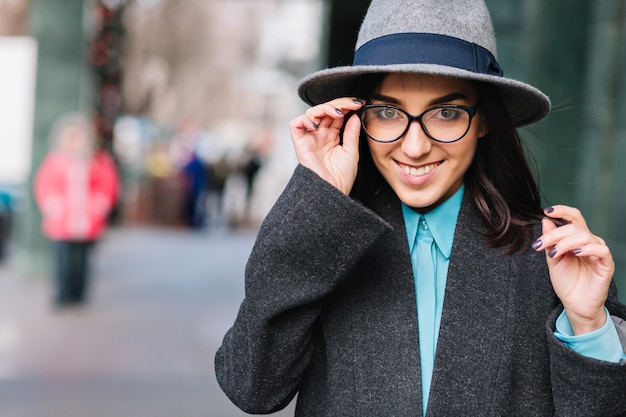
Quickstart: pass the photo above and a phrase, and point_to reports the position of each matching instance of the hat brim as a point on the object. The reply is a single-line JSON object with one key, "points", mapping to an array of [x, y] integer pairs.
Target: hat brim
{"points": [[525, 103]]}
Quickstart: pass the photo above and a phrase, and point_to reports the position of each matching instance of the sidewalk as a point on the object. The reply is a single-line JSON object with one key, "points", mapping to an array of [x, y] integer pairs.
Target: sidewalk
{"points": [[161, 301]]}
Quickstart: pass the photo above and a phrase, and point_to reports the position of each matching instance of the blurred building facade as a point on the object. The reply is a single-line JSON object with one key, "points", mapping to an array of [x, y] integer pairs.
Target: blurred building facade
{"points": [[230, 69], [13, 17]]}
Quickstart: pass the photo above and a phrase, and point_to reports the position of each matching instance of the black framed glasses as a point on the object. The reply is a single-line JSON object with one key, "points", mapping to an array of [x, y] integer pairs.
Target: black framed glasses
{"points": [[446, 123]]}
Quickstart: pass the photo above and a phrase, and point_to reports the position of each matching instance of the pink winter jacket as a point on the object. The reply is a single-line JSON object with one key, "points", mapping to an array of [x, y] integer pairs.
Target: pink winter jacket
{"points": [[75, 195]]}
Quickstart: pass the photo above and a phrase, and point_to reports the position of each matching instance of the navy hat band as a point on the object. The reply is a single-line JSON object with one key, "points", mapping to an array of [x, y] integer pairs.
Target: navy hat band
{"points": [[427, 48]]}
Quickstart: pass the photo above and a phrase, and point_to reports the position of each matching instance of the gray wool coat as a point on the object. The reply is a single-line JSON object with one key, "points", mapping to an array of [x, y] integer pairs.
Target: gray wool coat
{"points": [[330, 315]]}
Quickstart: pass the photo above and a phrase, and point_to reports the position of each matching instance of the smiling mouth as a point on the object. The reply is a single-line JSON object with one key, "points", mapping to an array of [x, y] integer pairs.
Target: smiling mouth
{"points": [[418, 171]]}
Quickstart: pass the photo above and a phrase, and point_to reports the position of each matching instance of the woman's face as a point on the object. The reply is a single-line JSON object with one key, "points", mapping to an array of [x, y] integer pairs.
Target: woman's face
{"points": [[423, 172]]}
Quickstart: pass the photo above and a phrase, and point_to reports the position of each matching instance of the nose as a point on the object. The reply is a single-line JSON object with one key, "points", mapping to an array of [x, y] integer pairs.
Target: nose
{"points": [[415, 142]]}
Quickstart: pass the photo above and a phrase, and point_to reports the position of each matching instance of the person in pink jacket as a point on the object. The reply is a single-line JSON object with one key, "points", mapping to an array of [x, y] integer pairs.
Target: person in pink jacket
{"points": [[75, 189]]}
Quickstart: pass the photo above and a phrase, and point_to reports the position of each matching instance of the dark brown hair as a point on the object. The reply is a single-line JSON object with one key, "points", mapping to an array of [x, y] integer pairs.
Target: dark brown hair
{"points": [[499, 180]]}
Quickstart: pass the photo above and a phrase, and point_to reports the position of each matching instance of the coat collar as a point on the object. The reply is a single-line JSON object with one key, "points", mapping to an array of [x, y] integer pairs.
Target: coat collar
{"points": [[441, 221]]}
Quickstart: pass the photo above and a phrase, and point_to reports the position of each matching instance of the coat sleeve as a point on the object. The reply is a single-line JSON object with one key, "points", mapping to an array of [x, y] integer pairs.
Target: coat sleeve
{"points": [[309, 242], [583, 386]]}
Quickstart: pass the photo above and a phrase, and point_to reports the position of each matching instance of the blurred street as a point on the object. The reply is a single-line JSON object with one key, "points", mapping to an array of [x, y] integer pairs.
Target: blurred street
{"points": [[161, 300]]}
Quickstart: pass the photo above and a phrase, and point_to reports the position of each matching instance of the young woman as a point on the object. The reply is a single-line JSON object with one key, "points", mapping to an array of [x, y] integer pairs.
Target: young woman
{"points": [[408, 267]]}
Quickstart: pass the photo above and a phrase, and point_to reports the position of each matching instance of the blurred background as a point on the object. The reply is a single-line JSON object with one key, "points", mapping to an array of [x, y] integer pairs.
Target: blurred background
{"points": [[192, 98]]}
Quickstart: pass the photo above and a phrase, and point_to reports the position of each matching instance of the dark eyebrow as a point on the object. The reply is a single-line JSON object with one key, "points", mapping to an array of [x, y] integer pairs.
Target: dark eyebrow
{"points": [[434, 102], [448, 98], [386, 99]]}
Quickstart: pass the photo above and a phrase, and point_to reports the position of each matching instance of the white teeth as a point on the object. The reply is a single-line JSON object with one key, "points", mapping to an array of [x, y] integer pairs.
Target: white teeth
{"points": [[418, 172]]}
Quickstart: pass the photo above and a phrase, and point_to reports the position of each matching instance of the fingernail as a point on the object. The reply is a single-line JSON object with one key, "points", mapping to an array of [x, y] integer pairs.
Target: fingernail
{"points": [[314, 125], [537, 244], [359, 101], [577, 251], [338, 111], [548, 209], [552, 252]]}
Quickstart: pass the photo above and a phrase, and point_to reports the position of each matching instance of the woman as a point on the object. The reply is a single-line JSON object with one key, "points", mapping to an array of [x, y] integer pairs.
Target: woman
{"points": [[408, 266], [75, 188]]}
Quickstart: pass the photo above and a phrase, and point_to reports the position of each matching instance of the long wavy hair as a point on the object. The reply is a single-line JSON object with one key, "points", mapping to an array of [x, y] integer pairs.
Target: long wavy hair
{"points": [[499, 179]]}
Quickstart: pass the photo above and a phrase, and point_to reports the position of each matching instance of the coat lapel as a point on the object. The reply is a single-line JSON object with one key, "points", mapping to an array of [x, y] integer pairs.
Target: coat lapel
{"points": [[471, 337], [397, 345]]}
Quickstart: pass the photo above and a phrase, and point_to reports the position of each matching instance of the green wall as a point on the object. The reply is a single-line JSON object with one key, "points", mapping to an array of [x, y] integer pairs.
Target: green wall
{"points": [[63, 86], [575, 51]]}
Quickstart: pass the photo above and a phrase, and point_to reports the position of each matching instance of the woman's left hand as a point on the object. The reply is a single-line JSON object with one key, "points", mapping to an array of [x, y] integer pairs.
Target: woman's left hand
{"points": [[581, 267]]}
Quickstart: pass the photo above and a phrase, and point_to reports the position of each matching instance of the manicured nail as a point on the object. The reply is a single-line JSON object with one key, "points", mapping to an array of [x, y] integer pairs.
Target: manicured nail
{"points": [[548, 209], [314, 125], [552, 252], [577, 251], [536, 244], [359, 101], [338, 111]]}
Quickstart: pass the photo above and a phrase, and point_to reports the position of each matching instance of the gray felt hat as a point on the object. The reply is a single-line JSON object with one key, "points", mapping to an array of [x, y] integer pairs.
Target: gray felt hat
{"points": [[451, 37]]}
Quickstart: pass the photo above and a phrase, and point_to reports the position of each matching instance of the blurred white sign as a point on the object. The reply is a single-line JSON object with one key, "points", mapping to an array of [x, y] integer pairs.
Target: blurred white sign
{"points": [[18, 62]]}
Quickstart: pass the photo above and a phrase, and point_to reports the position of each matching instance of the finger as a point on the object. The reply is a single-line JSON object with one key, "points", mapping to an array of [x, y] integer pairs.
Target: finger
{"points": [[300, 126], [327, 114], [346, 104], [546, 228], [570, 244], [566, 213], [598, 251], [351, 134], [547, 225], [567, 237]]}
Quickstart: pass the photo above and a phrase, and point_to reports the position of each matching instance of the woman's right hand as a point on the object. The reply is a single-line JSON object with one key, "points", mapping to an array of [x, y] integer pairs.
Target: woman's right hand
{"points": [[319, 147]]}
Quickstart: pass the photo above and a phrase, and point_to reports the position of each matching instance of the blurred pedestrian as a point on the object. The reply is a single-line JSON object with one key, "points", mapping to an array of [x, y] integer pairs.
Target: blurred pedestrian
{"points": [[408, 268], [196, 182], [6, 222], [75, 188]]}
